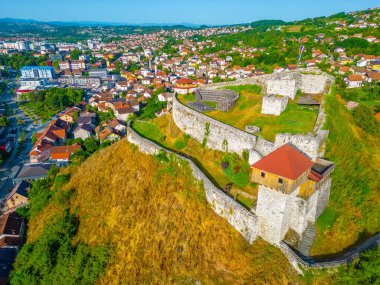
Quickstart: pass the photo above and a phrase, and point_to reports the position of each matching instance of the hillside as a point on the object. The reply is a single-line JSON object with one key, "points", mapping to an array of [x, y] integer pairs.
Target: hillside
{"points": [[154, 219]]}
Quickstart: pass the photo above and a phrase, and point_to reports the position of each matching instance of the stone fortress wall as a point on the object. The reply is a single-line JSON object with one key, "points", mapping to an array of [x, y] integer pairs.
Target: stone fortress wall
{"points": [[244, 221], [210, 132], [284, 87], [220, 136]]}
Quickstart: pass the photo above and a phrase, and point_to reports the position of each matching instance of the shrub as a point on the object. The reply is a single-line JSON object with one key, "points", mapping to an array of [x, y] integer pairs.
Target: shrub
{"points": [[364, 118], [236, 169]]}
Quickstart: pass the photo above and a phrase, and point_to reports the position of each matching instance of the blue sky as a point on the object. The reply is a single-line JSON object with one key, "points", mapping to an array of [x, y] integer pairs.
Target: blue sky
{"points": [[174, 11]]}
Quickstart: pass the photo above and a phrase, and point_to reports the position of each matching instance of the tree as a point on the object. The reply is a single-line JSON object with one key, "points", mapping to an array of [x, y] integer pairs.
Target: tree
{"points": [[364, 118], [4, 121], [56, 259], [91, 145], [365, 270], [56, 64], [34, 138], [75, 116], [74, 55]]}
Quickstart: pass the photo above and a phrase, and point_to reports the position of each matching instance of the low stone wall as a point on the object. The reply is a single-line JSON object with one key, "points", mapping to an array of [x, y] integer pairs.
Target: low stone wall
{"points": [[212, 133], [296, 258], [225, 206]]}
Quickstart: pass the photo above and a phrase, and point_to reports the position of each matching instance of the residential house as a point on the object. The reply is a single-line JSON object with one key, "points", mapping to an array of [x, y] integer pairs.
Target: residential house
{"points": [[84, 131], [32, 171], [63, 153], [185, 86], [108, 133], [372, 76], [69, 115], [18, 196], [118, 125], [54, 134], [345, 69], [12, 229], [354, 80]]}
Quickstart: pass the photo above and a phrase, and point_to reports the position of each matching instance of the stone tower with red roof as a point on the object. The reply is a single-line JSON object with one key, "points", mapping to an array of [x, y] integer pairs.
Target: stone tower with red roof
{"points": [[293, 192]]}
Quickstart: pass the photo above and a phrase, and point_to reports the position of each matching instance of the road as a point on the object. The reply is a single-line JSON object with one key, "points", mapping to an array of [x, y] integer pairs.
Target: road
{"points": [[11, 165]]}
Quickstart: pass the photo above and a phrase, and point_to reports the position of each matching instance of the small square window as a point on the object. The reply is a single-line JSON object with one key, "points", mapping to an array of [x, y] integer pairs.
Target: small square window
{"points": [[262, 174], [280, 180]]}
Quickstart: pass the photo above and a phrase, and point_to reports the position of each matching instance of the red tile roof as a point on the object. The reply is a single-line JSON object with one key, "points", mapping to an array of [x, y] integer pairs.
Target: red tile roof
{"points": [[285, 161]]}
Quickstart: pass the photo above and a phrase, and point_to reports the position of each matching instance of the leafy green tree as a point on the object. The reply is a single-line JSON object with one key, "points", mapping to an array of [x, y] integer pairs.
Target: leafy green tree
{"points": [[4, 121], [364, 117], [91, 145], [34, 138], [54, 259], [74, 55], [365, 270], [56, 64]]}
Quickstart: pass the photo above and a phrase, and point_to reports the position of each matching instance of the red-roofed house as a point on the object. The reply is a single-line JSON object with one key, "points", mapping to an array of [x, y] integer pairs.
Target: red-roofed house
{"points": [[293, 192], [354, 80], [185, 86], [63, 153], [284, 169]]}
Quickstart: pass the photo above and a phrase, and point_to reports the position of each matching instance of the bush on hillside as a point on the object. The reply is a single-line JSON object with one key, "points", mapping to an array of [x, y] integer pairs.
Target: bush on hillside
{"points": [[364, 118]]}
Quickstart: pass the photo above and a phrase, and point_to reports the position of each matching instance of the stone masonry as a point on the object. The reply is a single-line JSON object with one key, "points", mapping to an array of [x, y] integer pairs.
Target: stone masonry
{"points": [[212, 133], [274, 104], [284, 87]]}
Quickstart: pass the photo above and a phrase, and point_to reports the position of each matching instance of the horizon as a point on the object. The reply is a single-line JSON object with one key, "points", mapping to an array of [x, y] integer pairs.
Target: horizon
{"points": [[225, 12]]}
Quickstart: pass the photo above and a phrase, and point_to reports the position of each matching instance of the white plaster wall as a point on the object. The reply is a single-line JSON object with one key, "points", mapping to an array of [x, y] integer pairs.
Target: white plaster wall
{"points": [[264, 147], [321, 200], [313, 84]]}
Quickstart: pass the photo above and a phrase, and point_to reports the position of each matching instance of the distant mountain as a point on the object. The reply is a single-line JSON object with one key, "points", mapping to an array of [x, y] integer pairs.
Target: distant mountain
{"points": [[260, 23], [263, 23], [95, 23]]}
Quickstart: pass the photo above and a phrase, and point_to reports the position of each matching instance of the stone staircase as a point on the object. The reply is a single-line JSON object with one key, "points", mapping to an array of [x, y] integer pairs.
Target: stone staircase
{"points": [[307, 239]]}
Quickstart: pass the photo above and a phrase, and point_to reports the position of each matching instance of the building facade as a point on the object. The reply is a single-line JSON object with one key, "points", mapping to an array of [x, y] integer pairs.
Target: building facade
{"points": [[37, 72], [102, 73]]}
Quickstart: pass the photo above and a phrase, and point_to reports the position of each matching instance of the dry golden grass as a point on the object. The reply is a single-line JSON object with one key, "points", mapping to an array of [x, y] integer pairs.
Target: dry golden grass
{"points": [[209, 159], [162, 231]]}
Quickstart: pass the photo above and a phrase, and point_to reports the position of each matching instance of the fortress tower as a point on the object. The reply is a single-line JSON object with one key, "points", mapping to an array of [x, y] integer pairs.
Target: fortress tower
{"points": [[293, 192]]}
